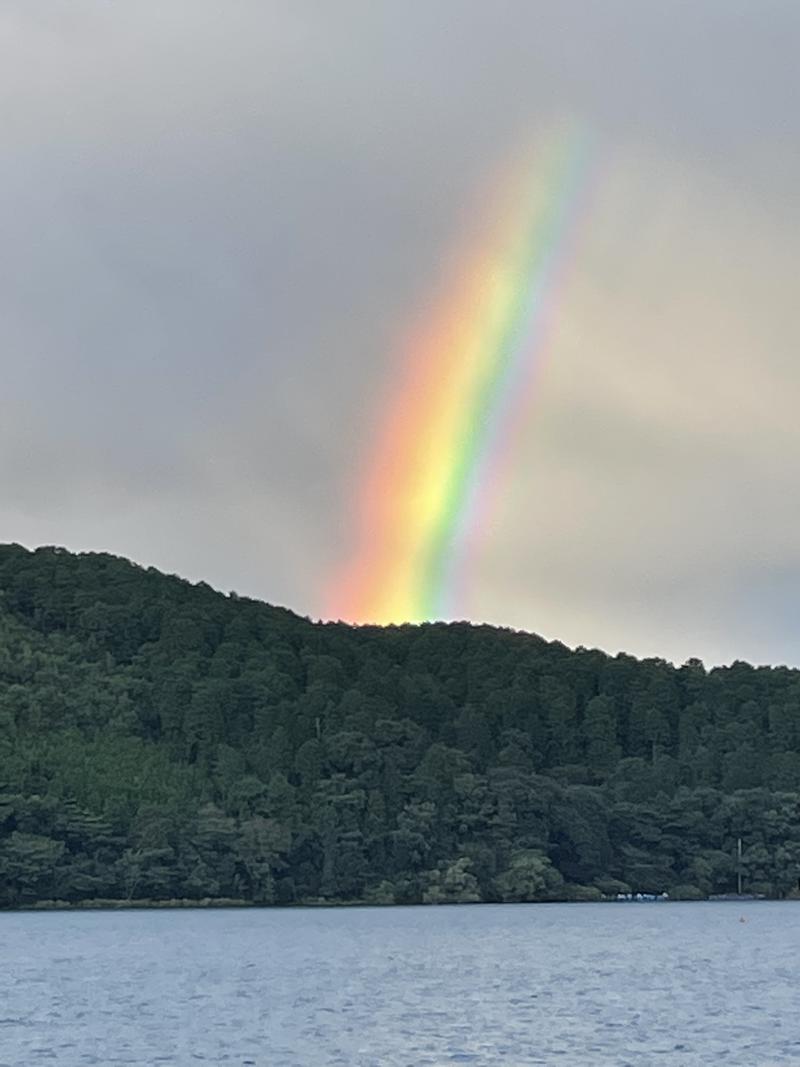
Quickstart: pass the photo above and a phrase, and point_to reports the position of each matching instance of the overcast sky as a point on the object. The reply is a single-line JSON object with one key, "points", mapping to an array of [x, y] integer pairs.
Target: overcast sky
{"points": [[219, 220]]}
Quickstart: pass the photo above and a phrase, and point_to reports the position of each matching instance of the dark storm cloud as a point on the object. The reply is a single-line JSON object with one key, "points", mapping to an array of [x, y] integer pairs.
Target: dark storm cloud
{"points": [[219, 221]]}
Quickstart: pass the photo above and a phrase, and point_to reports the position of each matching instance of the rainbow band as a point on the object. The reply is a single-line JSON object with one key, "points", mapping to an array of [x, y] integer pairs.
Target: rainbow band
{"points": [[445, 429], [514, 356]]}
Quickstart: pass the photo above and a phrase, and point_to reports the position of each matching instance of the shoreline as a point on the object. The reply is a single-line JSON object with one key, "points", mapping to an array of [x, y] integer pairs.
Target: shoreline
{"points": [[223, 903]]}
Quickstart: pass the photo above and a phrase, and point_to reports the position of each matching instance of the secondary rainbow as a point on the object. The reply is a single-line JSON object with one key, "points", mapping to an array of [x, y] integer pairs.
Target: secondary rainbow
{"points": [[466, 378]]}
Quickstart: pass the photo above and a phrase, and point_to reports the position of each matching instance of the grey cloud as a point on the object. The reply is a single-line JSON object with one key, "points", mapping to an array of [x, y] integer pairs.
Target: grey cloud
{"points": [[220, 221]]}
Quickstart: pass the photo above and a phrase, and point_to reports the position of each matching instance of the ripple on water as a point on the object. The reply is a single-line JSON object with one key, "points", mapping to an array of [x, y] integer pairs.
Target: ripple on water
{"points": [[404, 987]]}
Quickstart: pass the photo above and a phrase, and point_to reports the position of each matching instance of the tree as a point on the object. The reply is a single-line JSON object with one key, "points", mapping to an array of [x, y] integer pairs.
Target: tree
{"points": [[599, 730], [530, 876], [451, 883]]}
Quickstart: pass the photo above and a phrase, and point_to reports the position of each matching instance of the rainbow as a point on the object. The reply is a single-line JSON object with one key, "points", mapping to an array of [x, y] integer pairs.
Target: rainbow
{"points": [[448, 427]]}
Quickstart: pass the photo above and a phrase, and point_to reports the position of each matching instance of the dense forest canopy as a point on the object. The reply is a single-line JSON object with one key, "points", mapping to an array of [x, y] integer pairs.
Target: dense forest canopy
{"points": [[163, 741]]}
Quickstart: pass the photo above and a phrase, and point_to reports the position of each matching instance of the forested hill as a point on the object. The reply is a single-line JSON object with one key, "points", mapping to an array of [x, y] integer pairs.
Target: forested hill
{"points": [[163, 741]]}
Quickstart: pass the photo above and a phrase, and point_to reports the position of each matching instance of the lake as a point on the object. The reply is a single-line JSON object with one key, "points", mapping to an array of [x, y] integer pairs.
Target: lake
{"points": [[583, 984]]}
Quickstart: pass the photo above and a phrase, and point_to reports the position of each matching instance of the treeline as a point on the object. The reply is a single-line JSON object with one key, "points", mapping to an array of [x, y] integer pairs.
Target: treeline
{"points": [[159, 740]]}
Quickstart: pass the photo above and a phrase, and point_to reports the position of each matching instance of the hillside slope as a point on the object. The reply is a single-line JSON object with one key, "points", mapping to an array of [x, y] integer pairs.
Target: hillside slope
{"points": [[160, 740]]}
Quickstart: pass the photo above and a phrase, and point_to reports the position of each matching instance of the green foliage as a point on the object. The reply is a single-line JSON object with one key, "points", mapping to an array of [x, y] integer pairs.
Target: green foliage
{"points": [[686, 892], [529, 876], [451, 883], [159, 740]]}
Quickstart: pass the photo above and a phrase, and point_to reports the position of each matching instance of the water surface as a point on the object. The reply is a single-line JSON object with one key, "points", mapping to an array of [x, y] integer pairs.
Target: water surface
{"points": [[594, 984]]}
